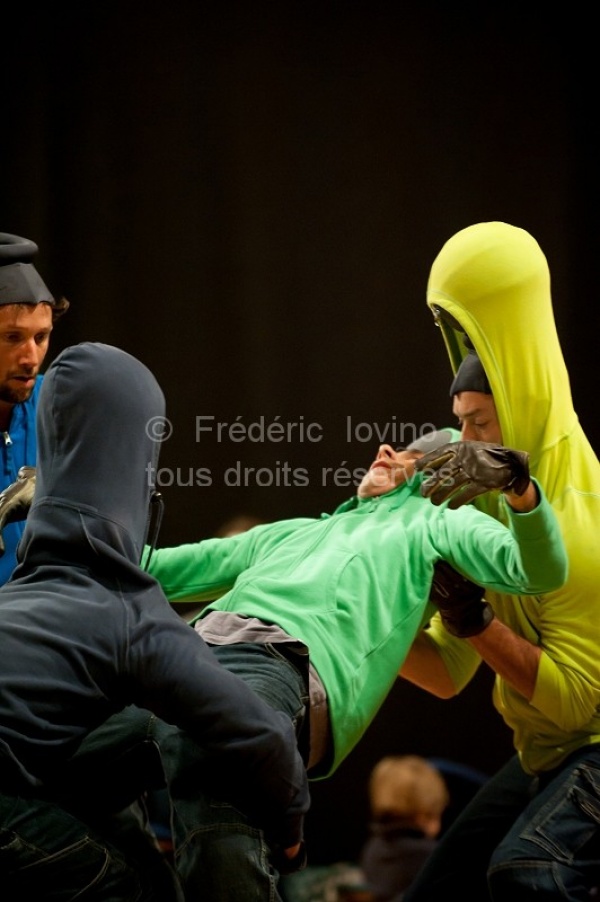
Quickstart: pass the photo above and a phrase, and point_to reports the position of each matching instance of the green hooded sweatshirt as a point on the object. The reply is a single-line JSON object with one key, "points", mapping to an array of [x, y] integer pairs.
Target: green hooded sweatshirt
{"points": [[492, 282], [354, 585]]}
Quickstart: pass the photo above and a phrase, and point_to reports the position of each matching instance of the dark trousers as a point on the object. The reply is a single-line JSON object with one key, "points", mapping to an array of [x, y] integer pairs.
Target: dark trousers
{"points": [[220, 852], [522, 838], [46, 852]]}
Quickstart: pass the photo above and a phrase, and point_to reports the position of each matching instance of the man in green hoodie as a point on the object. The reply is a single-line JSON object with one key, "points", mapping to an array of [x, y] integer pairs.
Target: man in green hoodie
{"points": [[337, 600], [533, 831], [317, 615]]}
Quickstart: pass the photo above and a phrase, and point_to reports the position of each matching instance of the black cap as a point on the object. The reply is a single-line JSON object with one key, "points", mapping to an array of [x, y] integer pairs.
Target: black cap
{"points": [[20, 282], [470, 376]]}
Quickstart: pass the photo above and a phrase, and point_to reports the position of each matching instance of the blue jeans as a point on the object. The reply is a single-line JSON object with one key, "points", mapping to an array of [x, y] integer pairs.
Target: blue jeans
{"points": [[48, 853], [522, 838], [220, 853]]}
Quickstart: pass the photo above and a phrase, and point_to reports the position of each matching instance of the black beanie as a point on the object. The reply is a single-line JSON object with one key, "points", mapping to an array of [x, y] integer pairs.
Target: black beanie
{"points": [[470, 376], [20, 282]]}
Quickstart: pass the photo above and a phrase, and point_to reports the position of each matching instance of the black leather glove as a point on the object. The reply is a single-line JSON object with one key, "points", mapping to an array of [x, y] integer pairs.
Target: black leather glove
{"points": [[459, 601], [16, 499], [460, 471]]}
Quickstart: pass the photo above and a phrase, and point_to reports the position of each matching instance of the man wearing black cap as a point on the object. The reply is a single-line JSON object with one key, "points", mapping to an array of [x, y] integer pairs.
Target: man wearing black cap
{"points": [[317, 614], [27, 314], [533, 830]]}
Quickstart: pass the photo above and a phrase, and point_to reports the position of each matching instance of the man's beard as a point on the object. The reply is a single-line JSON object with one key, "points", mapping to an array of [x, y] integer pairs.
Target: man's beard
{"points": [[14, 396]]}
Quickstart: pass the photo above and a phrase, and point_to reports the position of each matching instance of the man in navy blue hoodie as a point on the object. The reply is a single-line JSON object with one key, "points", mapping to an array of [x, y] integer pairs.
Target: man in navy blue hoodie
{"points": [[85, 632]]}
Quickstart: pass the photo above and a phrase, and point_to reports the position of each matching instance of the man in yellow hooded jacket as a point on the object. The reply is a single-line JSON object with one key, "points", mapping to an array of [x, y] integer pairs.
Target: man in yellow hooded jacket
{"points": [[532, 831]]}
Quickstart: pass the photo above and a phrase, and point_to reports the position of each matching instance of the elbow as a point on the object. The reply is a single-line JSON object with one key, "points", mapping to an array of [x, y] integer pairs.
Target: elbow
{"points": [[561, 575], [442, 688], [445, 692], [552, 582]]}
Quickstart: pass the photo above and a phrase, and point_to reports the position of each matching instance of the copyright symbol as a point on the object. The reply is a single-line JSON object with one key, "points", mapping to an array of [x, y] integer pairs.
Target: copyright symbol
{"points": [[159, 429]]}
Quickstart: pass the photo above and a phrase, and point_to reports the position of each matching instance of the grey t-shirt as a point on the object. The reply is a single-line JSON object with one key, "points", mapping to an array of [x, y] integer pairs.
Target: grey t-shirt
{"points": [[228, 628]]}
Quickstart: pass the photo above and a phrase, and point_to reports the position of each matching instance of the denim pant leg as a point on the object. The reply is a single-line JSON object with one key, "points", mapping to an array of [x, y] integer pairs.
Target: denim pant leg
{"points": [[553, 849], [121, 756], [220, 855], [46, 853], [103, 784], [457, 868]]}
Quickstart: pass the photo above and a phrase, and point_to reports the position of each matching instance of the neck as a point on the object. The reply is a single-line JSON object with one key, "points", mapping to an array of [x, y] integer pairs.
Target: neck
{"points": [[5, 415]]}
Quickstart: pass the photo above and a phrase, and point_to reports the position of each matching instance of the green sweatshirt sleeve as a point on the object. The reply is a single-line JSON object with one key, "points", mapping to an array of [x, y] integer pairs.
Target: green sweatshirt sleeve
{"points": [[200, 571], [205, 570], [529, 559]]}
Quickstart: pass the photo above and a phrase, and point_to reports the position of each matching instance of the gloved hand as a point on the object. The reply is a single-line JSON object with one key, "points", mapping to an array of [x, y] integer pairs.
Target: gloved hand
{"points": [[459, 601], [460, 471], [16, 499]]}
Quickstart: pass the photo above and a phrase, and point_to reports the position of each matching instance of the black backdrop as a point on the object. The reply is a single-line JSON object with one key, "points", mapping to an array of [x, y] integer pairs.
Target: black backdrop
{"points": [[248, 197]]}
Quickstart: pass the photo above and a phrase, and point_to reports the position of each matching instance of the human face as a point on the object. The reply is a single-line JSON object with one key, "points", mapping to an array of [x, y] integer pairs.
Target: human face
{"points": [[24, 337], [477, 417], [389, 469]]}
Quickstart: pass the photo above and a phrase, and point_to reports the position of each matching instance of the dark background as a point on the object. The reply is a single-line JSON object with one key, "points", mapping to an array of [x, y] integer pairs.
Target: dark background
{"points": [[249, 196]]}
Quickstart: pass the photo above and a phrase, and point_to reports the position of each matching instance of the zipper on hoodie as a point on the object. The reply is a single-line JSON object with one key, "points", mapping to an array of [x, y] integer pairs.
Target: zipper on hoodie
{"points": [[8, 456]]}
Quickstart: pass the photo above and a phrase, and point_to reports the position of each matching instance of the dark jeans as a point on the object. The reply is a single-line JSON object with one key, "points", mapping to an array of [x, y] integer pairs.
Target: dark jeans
{"points": [[522, 838], [220, 853], [47, 853]]}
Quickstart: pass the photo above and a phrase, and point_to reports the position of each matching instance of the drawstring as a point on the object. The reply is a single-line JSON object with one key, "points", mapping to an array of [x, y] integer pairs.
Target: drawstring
{"points": [[156, 504]]}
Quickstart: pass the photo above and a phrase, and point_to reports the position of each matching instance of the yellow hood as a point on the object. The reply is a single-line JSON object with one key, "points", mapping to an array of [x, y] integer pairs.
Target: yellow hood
{"points": [[492, 281]]}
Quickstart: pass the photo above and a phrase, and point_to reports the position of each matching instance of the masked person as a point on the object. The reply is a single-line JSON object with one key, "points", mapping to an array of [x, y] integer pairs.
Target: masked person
{"points": [[28, 312], [533, 830], [84, 632]]}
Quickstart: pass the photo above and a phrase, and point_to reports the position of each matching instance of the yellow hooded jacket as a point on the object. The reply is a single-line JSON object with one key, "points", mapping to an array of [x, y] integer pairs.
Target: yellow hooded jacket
{"points": [[492, 282]]}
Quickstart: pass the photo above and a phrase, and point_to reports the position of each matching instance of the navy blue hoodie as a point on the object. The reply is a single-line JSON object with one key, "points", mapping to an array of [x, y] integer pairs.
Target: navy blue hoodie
{"points": [[84, 631]]}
